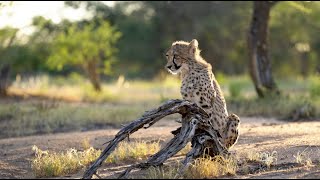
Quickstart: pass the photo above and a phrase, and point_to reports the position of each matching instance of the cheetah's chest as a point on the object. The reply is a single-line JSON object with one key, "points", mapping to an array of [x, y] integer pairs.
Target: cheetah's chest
{"points": [[200, 90]]}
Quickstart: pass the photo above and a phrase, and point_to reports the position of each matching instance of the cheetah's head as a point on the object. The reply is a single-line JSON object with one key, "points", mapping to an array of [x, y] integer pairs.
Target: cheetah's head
{"points": [[179, 54]]}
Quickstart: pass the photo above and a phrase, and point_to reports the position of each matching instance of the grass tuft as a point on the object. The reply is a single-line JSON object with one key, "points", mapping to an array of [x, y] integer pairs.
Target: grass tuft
{"points": [[162, 172], [303, 158], [201, 168], [52, 164], [264, 158], [48, 164], [210, 167], [132, 151]]}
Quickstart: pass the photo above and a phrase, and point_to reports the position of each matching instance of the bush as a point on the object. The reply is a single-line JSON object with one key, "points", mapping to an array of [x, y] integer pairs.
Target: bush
{"points": [[235, 89], [314, 87]]}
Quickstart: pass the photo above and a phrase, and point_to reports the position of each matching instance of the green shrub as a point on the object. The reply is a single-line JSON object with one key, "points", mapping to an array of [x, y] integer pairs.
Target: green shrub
{"points": [[235, 89], [314, 87]]}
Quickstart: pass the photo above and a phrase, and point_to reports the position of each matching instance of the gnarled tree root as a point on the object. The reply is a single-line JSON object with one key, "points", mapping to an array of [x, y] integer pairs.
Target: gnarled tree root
{"points": [[195, 128]]}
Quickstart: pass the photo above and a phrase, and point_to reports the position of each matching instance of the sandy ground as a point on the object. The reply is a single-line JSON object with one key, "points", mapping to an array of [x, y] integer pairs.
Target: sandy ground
{"points": [[256, 134]]}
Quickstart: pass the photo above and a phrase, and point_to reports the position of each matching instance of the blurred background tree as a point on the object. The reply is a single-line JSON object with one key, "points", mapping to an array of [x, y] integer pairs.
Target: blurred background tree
{"points": [[91, 47], [259, 64], [7, 55]]}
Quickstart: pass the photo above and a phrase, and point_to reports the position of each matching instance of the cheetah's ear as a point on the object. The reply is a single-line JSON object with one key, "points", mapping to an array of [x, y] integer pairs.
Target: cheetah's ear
{"points": [[194, 43], [193, 46]]}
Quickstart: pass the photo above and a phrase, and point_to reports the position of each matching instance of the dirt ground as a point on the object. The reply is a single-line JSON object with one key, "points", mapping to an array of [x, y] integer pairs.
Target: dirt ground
{"points": [[256, 134]]}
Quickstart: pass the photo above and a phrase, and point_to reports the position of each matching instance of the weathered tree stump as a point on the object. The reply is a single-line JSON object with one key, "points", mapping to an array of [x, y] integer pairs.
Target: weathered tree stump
{"points": [[195, 128]]}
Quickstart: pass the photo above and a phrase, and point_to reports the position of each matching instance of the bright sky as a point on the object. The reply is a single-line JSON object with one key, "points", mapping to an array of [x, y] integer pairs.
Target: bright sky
{"points": [[20, 13]]}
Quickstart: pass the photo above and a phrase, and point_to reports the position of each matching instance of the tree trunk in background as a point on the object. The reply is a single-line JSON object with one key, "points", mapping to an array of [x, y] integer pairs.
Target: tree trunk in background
{"points": [[260, 66], [304, 64], [5, 68], [93, 74], [318, 70], [4, 80]]}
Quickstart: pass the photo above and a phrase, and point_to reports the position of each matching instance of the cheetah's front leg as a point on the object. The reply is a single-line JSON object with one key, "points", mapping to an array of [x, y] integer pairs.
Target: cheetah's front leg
{"points": [[232, 130]]}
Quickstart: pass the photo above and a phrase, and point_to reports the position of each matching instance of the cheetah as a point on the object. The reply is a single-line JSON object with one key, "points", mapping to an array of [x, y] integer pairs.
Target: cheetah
{"points": [[200, 86]]}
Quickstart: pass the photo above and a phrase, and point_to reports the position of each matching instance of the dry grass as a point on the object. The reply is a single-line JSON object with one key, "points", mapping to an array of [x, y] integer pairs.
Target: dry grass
{"points": [[85, 143], [303, 158], [78, 89], [252, 156], [49, 164], [211, 167], [27, 118], [264, 158], [125, 100], [201, 168], [133, 151], [163, 172]]}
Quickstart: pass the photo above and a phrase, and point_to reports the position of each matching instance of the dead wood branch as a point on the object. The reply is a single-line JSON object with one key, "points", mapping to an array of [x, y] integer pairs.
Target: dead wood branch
{"points": [[195, 128]]}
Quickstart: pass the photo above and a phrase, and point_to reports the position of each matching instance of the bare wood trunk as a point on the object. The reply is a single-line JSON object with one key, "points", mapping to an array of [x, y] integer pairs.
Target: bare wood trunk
{"points": [[4, 80], [92, 71], [260, 66], [195, 128]]}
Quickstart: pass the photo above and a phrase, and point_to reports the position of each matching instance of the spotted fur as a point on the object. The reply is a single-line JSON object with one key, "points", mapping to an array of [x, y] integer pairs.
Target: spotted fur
{"points": [[200, 86]]}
